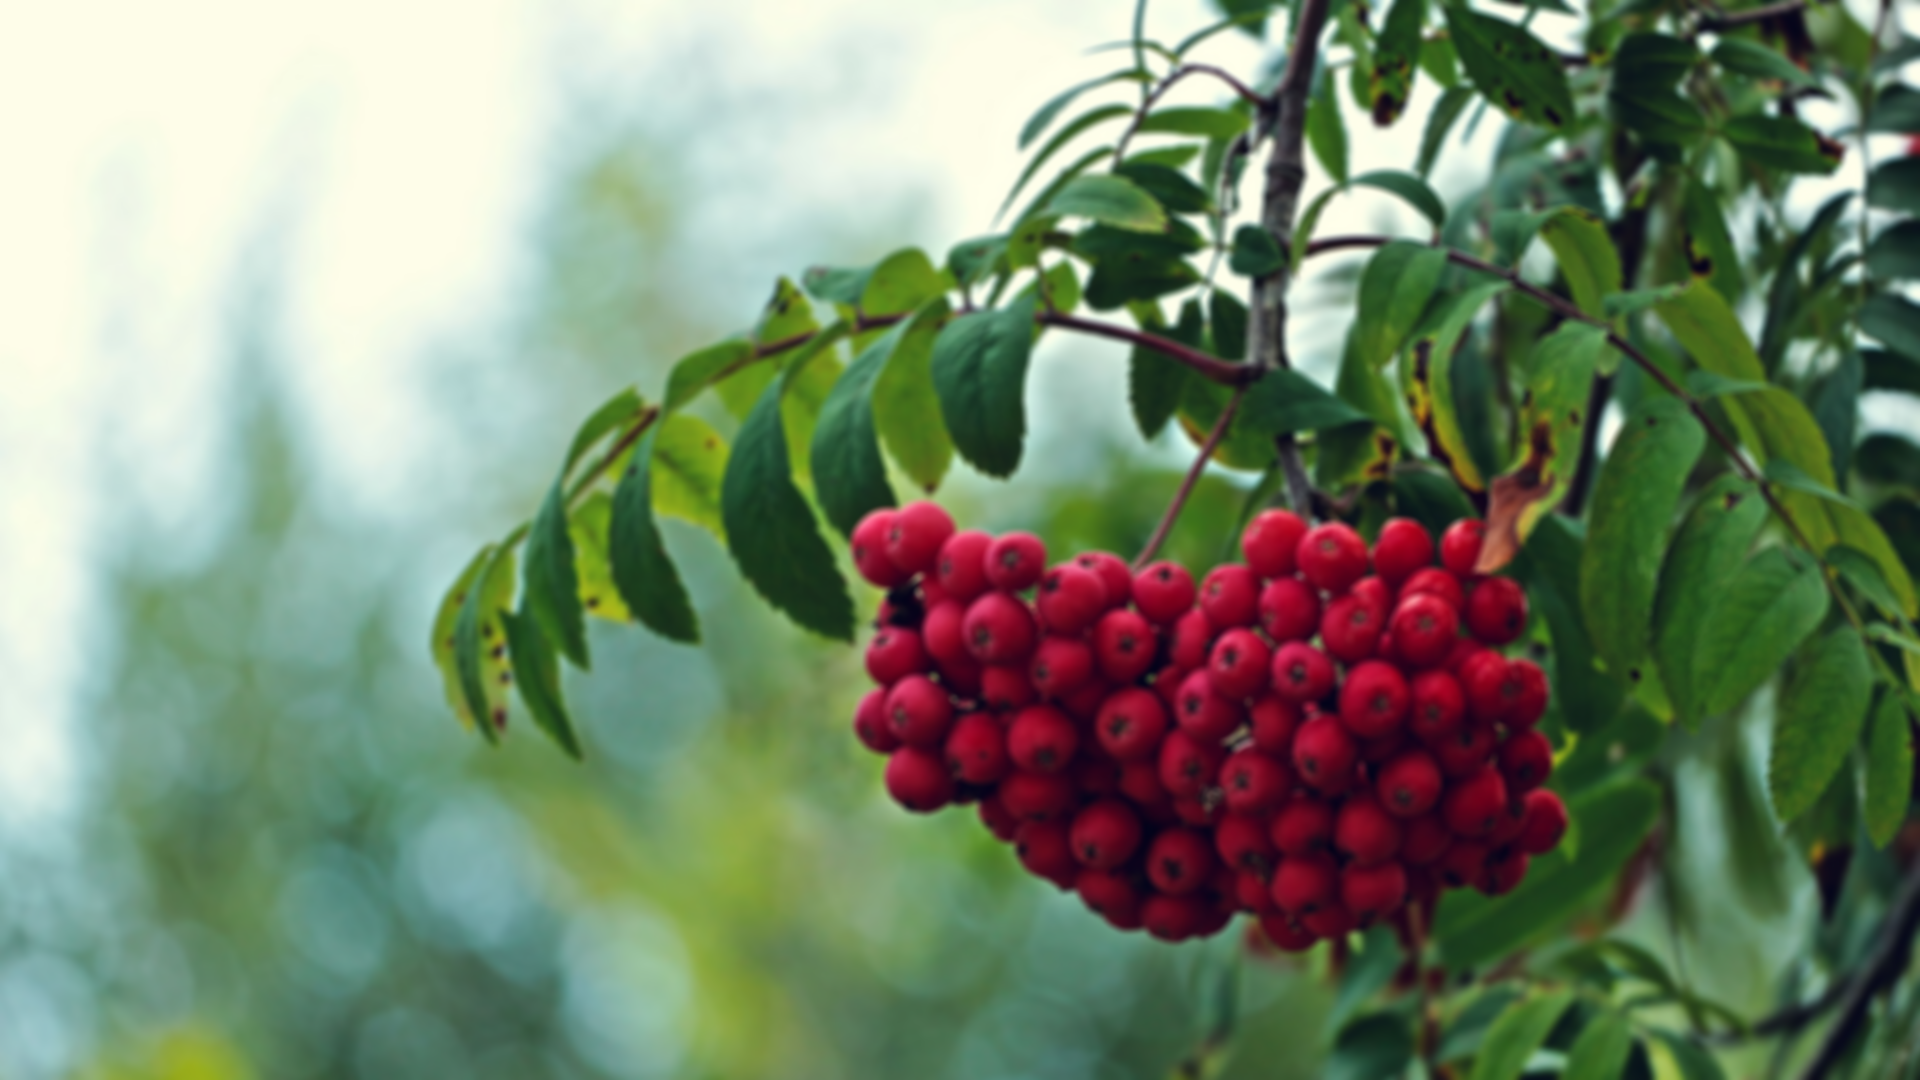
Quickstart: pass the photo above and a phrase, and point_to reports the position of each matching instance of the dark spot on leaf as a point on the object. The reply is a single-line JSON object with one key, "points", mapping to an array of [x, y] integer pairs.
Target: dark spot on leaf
{"points": [[1553, 116], [1731, 500], [1651, 422], [1573, 417], [1831, 149], [1526, 400], [1633, 674]]}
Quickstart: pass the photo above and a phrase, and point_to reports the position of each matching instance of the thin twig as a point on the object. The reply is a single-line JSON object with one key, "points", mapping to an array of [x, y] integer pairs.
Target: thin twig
{"points": [[1187, 483], [1160, 89], [1210, 367], [1891, 949]]}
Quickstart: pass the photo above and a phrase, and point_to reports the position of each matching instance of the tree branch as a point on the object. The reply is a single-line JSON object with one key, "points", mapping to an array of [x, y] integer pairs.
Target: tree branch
{"points": [[1199, 466], [1209, 367]]}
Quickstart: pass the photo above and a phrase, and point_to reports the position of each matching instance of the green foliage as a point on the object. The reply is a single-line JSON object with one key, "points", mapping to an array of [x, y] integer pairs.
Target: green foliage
{"points": [[645, 575], [980, 372], [1820, 713], [1767, 608], [1511, 67], [1517, 1033], [1706, 554]]}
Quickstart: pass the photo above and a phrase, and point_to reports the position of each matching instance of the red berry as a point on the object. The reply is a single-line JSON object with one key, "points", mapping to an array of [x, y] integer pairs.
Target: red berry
{"points": [[1512, 821], [1116, 578], [1464, 863], [1113, 896], [1324, 754], [895, 653], [941, 634], [1163, 592], [1030, 795], [1270, 542], [1375, 596], [1525, 760], [1464, 752], [1364, 832], [1042, 739], [1303, 827], [1497, 610], [1546, 823], [1196, 811], [976, 749], [1286, 934], [998, 820], [915, 536], [1332, 921], [1105, 834], [1095, 775], [1061, 666], [999, 629], [1374, 700], [1273, 721], [1179, 861], [1529, 695], [1289, 610], [1425, 840], [1504, 873], [1243, 845], [1372, 893], [1460, 546], [1172, 918], [1083, 704], [919, 712], [1015, 561], [1301, 673], [1436, 583], [1253, 783], [1140, 783], [961, 568], [1202, 713], [1350, 629], [1473, 806], [1124, 645], [1403, 547], [1487, 679], [1303, 884], [1230, 595], [1239, 664], [1332, 557], [1069, 599], [1187, 765], [1424, 630], [1379, 750], [1006, 687], [1250, 893], [1131, 724], [917, 779], [1438, 706], [869, 542], [1046, 852], [870, 723], [1409, 785]]}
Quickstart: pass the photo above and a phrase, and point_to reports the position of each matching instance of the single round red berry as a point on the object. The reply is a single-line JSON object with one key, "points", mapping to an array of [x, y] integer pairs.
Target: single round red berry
{"points": [[1464, 863], [1253, 783], [1187, 765], [1374, 700], [1172, 918], [1425, 840], [1230, 595], [1301, 673], [1473, 806], [1464, 752], [1490, 687], [1303, 826], [1251, 894], [1505, 872], [1060, 666], [998, 819], [1350, 629], [1526, 759], [919, 712], [1131, 724], [1164, 591], [1270, 541], [1372, 893], [1192, 639], [1239, 665], [1046, 852], [1286, 934], [1528, 701], [1274, 721], [1179, 861], [1042, 739], [1015, 561], [1289, 610], [869, 541], [1512, 821], [917, 779], [1404, 546], [1436, 583], [1424, 630], [1332, 557], [1364, 832], [1105, 834], [1303, 884], [1112, 896], [1497, 610], [1203, 713], [1083, 703], [1196, 810], [999, 629], [1546, 823], [942, 635], [976, 750], [1069, 599], [961, 569], [895, 653], [1460, 546], [1376, 594], [1031, 795], [1006, 687], [1124, 645], [1437, 706], [1140, 783], [870, 723], [1324, 754], [916, 534], [1243, 845], [1116, 577], [1409, 784]]}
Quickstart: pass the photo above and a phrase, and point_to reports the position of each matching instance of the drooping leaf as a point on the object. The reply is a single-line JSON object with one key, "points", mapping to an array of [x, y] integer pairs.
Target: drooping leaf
{"points": [[1227, 320], [1784, 143], [617, 411], [1707, 245], [1117, 282], [1396, 53], [1045, 115], [850, 477], [979, 367], [1586, 256], [1707, 552], [1601, 1051], [1195, 120], [1889, 768], [1410, 188], [1894, 255], [1041, 204], [699, 370], [446, 642], [1114, 200], [1255, 252], [806, 379], [536, 671], [1453, 101], [1552, 420], [1587, 698], [906, 408], [1326, 130], [1284, 401], [1156, 382], [1646, 68], [1895, 185], [1818, 720], [589, 530], [552, 589], [771, 530], [1756, 61], [1836, 408], [1427, 375], [1511, 67], [1395, 290], [1786, 295], [642, 569], [1765, 611], [1896, 111], [1517, 1033], [1689, 1061], [688, 463], [1467, 1031], [1893, 319], [480, 642], [1371, 1048]]}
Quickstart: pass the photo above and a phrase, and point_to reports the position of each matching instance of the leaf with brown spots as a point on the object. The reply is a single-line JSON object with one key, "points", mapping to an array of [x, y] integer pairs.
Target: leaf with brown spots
{"points": [[1511, 67], [1552, 419], [1396, 54], [1426, 376]]}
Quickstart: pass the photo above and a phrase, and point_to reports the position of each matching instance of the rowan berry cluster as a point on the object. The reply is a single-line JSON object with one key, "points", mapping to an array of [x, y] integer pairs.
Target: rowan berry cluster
{"points": [[1317, 736]]}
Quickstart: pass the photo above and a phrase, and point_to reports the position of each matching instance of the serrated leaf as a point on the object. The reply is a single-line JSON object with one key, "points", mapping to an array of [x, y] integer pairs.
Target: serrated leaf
{"points": [[1896, 111], [536, 671], [1427, 376], [1586, 256], [1707, 552], [696, 371], [550, 584], [1894, 255], [1601, 1051], [1410, 188], [1326, 129], [480, 643], [444, 645], [1784, 143], [1889, 768], [1194, 120], [1284, 401], [1517, 1033], [906, 410], [1045, 114], [1818, 720], [771, 530], [642, 570], [1895, 185], [1765, 611], [1156, 382], [1756, 61], [1511, 67], [1114, 200], [689, 461], [1041, 203], [899, 283], [616, 412], [1395, 56], [850, 477], [1588, 699], [979, 369], [589, 529], [1453, 101], [1078, 125], [1633, 502], [1255, 252], [1552, 420]]}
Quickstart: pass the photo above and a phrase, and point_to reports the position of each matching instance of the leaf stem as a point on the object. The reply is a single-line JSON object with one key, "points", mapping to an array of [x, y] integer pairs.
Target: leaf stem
{"points": [[1245, 93], [1187, 482], [1211, 367]]}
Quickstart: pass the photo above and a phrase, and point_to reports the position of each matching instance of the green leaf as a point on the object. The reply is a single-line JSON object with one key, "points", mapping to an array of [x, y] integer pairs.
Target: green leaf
{"points": [[1885, 458], [480, 642], [900, 283], [1376, 1047], [1227, 317], [1895, 185], [445, 643], [1588, 699], [1114, 200], [771, 531], [1653, 60], [1889, 768], [1284, 401], [1156, 382], [1367, 974], [1255, 252], [1326, 130], [1633, 502], [642, 570], [1518, 1033], [1586, 256], [1467, 1031], [1690, 1061], [1705, 242], [696, 371], [850, 477], [972, 260], [1896, 111], [589, 529], [1818, 720], [980, 372], [1891, 371], [1037, 123], [1453, 101], [1756, 61], [1645, 69], [1893, 319], [1170, 187], [1612, 821], [1707, 552], [1408, 187], [906, 410], [617, 411], [1785, 297], [1894, 255], [1309, 220], [536, 671], [1511, 67], [1549, 438], [1427, 376], [1193, 120], [1784, 143], [787, 317], [1429, 498], [1040, 205], [552, 590], [1601, 1051], [1074, 128], [689, 462], [1396, 53], [1396, 287], [1765, 611]]}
